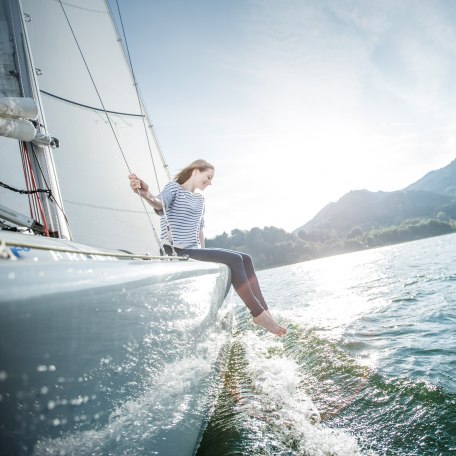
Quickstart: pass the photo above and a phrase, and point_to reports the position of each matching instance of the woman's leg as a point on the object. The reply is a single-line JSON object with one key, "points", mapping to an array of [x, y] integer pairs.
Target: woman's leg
{"points": [[252, 278], [244, 281], [239, 279]]}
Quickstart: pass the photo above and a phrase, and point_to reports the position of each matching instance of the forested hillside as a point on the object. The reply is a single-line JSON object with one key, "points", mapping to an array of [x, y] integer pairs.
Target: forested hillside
{"points": [[368, 210], [271, 247]]}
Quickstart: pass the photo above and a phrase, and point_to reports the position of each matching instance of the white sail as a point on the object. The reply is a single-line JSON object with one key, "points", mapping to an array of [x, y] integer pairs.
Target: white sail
{"points": [[93, 162]]}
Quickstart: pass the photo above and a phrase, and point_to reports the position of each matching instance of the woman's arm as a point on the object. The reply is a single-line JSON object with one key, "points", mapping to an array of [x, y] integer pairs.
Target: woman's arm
{"points": [[154, 201], [202, 239], [139, 186]]}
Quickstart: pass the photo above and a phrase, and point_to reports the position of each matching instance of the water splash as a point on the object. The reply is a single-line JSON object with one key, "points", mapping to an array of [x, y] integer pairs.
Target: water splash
{"points": [[145, 424], [266, 407]]}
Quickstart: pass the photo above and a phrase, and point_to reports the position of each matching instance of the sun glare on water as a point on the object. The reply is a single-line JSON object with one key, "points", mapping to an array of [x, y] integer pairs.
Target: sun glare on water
{"points": [[331, 293]]}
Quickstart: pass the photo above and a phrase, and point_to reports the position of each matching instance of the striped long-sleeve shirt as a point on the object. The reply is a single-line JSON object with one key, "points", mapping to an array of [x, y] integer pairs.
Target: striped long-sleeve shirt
{"points": [[185, 213]]}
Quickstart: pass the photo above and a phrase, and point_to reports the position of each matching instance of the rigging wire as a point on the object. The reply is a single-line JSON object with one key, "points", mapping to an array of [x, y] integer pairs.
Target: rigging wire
{"points": [[50, 195], [32, 190], [165, 216], [137, 93], [36, 194], [109, 121], [26, 177]]}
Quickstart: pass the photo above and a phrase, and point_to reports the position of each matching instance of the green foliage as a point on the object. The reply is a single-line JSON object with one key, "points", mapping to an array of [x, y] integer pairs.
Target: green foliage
{"points": [[408, 231], [271, 247]]}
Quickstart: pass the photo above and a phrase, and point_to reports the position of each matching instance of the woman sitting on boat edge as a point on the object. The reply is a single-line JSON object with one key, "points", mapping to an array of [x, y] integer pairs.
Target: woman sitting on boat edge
{"points": [[184, 212]]}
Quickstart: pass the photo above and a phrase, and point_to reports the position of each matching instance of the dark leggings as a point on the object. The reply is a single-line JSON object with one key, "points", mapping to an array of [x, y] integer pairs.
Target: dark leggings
{"points": [[243, 277]]}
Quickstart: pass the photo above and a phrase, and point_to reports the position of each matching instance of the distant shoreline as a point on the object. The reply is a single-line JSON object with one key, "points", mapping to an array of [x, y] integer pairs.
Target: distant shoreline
{"points": [[272, 247]]}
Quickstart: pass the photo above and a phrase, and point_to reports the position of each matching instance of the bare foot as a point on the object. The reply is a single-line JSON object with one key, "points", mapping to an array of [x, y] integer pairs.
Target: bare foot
{"points": [[265, 320]]}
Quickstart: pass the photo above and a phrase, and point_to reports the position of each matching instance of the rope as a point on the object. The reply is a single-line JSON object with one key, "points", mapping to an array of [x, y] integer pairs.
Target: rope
{"points": [[157, 238], [165, 216], [137, 94], [38, 199], [51, 196], [26, 177], [26, 192]]}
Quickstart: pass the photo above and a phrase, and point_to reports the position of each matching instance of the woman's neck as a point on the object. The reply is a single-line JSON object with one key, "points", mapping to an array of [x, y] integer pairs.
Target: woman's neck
{"points": [[188, 185]]}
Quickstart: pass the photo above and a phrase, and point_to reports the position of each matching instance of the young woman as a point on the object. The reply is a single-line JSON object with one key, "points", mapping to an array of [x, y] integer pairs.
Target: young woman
{"points": [[184, 209]]}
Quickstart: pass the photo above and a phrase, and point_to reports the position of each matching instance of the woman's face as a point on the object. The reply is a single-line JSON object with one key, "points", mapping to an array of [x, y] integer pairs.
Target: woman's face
{"points": [[203, 178]]}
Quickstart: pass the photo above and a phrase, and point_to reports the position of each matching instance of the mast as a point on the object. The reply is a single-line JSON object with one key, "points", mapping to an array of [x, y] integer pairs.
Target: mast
{"points": [[25, 84]]}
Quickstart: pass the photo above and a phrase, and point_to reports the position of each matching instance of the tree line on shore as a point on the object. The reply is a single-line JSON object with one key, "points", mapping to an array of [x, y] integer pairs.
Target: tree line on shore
{"points": [[272, 247]]}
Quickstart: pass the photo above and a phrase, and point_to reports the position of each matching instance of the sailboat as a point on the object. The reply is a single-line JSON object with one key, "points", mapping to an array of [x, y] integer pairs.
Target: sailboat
{"points": [[106, 346]]}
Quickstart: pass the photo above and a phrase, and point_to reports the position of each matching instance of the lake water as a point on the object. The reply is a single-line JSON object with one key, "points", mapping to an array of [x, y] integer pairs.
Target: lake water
{"points": [[368, 365]]}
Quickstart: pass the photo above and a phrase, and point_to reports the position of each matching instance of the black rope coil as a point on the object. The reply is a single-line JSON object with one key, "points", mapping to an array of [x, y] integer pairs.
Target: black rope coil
{"points": [[26, 192]]}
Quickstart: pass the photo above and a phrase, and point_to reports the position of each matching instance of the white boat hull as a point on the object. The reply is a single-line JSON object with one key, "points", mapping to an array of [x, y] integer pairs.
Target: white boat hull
{"points": [[108, 357]]}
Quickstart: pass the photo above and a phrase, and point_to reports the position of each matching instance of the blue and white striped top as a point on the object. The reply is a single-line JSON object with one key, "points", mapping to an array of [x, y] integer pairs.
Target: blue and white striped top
{"points": [[185, 213]]}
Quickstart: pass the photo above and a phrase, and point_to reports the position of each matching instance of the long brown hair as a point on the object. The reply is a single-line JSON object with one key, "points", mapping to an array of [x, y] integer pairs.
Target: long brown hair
{"points": [[185, 174]]}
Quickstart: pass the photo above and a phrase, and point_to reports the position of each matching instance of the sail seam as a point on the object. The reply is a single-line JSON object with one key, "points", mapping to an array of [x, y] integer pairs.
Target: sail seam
{"points": [[90, 107], [106, 208]]}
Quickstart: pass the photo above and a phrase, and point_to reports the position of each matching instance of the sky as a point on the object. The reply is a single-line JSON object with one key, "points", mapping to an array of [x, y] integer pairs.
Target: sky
{"points": [[296, 102]]}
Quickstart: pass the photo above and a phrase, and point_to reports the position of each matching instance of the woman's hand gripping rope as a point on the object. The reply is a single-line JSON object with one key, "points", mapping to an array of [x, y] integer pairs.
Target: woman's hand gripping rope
{"points": [[142, 189], [139, 186]]}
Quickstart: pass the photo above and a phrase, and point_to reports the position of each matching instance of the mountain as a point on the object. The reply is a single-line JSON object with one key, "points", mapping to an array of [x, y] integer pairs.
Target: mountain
{"points": [[433, 196], [441, 181]]}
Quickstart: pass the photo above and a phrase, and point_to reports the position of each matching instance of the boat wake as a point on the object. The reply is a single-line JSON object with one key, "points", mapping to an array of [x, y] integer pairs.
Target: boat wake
{"points": [[267, 406]]}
